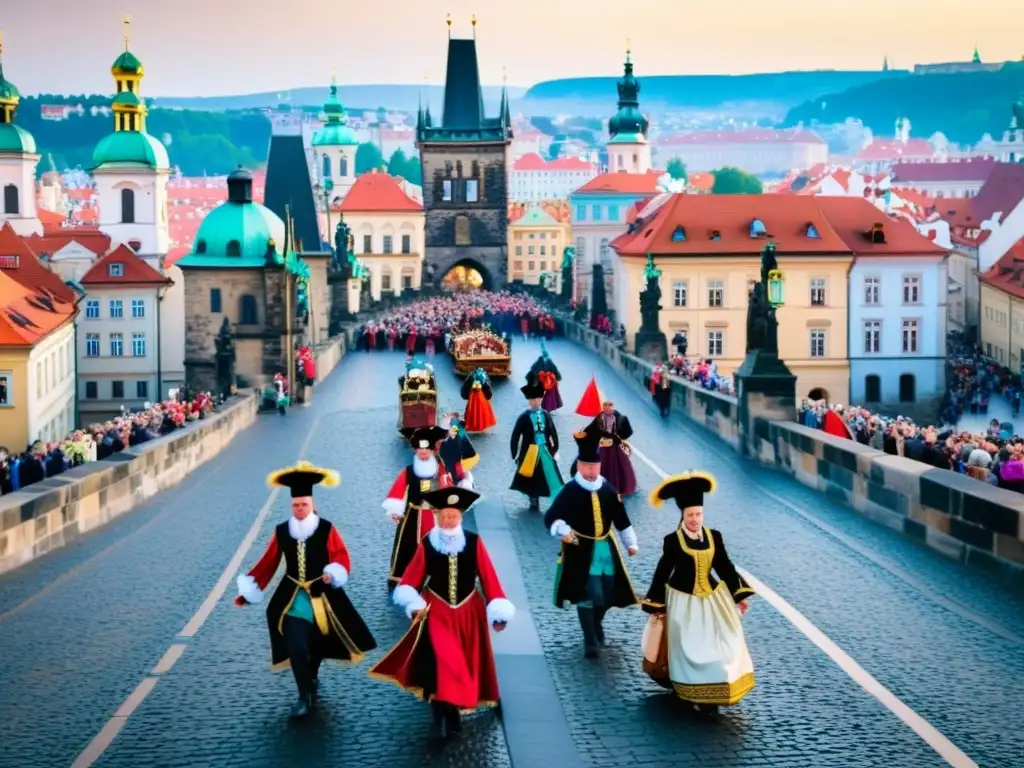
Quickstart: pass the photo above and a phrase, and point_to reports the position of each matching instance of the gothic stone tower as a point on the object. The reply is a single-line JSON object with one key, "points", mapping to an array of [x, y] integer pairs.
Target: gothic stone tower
{"points": [[465, 176]]}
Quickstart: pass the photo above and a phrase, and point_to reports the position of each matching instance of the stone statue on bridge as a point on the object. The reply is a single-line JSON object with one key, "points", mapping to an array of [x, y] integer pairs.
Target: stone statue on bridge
{"points": [[762, 325], [342, 249], [568, 259], [651, 344], [225, 358]]}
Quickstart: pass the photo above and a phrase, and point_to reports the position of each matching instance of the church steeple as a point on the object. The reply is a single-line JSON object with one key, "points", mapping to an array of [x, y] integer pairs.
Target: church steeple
{"points": [[885, 64], [10, 96], [129, 110], [976, 59], [333, 109], [628, 119]]}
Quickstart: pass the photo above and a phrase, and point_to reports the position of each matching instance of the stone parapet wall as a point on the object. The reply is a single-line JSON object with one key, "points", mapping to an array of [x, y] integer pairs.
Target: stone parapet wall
{"points": [[329, 353], [53, 513], [956, 515]]}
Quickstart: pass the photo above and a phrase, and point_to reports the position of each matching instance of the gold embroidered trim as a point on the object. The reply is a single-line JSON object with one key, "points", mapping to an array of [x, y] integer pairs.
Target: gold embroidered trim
{"points": [[701, 563], [723, 694], [595, 505], [453, 579], [301, 550]]}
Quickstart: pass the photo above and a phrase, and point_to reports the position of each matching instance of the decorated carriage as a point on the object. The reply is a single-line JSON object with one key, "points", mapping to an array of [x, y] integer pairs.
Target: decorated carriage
{"points": [[481, 349], [417, 395]]}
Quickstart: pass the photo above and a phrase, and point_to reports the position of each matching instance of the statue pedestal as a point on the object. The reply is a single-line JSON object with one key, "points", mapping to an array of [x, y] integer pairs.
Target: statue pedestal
{"points": [[651, 346], [766, 390]]}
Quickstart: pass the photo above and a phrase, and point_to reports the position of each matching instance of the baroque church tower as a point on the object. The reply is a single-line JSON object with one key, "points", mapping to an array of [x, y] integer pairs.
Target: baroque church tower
{"points": [[18, 159], [465, 175], [628, 149]]}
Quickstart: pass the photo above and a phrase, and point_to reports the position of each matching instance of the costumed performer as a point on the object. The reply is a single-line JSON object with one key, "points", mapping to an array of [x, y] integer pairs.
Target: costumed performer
{"points": [[834, 423], [445, 657], [694, 641], [403, 505], [534, 448], [310, 617], [591, 573], [476, 391], [457, 449], [613, 431], [546, 372]]}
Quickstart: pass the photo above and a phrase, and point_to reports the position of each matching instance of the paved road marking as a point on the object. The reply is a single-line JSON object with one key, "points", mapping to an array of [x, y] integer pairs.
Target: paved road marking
{"points": [[946, 749], [109, 732]]}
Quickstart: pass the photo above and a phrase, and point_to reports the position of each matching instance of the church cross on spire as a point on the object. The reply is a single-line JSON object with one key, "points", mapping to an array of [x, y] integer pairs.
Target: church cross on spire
{"points": [[127, 30]]}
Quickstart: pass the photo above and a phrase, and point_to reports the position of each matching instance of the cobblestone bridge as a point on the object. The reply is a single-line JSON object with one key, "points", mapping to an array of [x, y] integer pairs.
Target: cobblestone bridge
{"points": [[124, 650]]}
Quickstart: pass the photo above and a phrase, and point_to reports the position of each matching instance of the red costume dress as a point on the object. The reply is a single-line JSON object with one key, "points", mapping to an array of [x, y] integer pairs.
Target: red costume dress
{"points": [[446, 655], [476, 391]]}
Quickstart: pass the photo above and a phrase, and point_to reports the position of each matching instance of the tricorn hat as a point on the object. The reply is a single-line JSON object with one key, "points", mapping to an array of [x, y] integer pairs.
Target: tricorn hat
{"points": [[687, 489], [451, 498], [301, 478], [532, 389], [588, 444], [425, 437]]}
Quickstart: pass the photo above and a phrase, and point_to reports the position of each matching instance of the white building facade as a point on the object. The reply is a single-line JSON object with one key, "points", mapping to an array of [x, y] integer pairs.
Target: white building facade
{"points": [[534, 179], [51, 381]]}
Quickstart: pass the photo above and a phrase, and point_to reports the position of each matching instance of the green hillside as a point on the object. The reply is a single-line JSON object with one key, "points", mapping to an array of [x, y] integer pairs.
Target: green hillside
{"points": [[710, 90], [963, 105]]}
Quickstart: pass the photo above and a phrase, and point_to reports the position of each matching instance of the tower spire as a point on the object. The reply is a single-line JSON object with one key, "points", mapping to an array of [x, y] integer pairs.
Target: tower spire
{"points": [[629, 50], [448, 21], [473, 22], [127, 30]]}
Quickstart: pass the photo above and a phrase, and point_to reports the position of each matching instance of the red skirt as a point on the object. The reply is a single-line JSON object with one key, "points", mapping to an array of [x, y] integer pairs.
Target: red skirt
{"points": [[479, 413], [446, 656]]}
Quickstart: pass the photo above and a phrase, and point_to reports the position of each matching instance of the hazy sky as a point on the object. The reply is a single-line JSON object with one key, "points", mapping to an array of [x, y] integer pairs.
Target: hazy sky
{"points": [[214, 47]]}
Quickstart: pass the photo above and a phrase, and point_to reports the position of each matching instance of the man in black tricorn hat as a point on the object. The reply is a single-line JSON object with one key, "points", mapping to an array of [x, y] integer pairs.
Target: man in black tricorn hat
{"points": [[310, 617], [534, 448]]}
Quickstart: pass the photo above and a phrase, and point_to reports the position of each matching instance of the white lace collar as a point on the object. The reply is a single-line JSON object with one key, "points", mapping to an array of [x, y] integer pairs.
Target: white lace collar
{"points": [[425, 469], [447, 542], [303, 529], [587, 484]]}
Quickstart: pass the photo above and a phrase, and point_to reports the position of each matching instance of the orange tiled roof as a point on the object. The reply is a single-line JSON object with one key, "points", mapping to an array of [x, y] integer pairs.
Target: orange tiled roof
{"points": [[134, 270], [1007, 274], [531, 161], [842, 225], [28, 315], [623, 183], [377, 192], [50, 219], [702, 180], [891, 149], [19, 261], [556, 209], [54, 240]]}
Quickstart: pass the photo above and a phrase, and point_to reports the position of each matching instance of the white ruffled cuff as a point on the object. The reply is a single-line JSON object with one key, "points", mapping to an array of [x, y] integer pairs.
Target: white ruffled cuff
{"points": [[338, 574], [500, 611], [555, 457], [248, 590], [628, 537], [559, 528], [408, 598], [393, 508], [466, 481]]}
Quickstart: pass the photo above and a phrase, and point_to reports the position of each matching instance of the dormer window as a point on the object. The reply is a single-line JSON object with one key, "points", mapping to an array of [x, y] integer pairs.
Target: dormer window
{"points": [[714, 234], [757, 229], [679, 235], [234, 248], [115, 270], [877, 234], [812, 232], [200, 246]]}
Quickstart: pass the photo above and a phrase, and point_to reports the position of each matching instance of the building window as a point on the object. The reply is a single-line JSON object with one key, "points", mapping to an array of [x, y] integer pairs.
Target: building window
{"points": [[92, 309], [581, 248], [406, 243], [872, 290], [138, 345], [872, 388], [92, 345], [11, 200], [343, 166], [911, 290], [605, 250], [115, 270], [234, 248], [581, 213], [543, 250], [116, 308], [462, 230], [531, 266], [327, 167], [908, 388], [446, 190], [91, 390], [367, 243], [817, 342], [127, 206], [519, 250], [595, 212], [872, 337], [247, 314], [530, 250], [142, 390], [472, 191], [117, 389], [116, 344], [200, 246], [388, 246], [138, 308], [716, 293], [679, 294], [215, 299], [817, 292], [406, 282], [385, 281], [613, 213], [715, 343], [910, 334]]}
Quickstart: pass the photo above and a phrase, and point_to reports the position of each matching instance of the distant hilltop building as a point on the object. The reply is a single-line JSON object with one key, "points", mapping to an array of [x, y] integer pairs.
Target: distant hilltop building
{"points": [[757, 150], [949, 67]]}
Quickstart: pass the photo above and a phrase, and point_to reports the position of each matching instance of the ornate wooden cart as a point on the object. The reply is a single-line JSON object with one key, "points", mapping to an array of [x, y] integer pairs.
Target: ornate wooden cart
{"points": [[417, 407], [481, 349]]}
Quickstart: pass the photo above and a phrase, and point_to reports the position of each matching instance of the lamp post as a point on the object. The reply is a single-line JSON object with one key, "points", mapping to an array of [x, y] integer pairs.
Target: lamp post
{"points": [[776, 281]]}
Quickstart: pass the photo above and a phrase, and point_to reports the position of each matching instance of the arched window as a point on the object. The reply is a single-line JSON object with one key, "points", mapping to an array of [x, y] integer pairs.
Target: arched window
{"points": [[872, 388], [908, 388], [604, 250], [343, 166], [200, 246], [327, 166], [127, 206], [234, 248], [581, 247], [247, 314], [11, 202]]}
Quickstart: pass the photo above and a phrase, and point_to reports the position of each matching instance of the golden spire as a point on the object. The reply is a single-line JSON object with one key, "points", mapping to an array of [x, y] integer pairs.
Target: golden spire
{"points": [[473, 22], [504, 75], [448, 21], [127, 29]]}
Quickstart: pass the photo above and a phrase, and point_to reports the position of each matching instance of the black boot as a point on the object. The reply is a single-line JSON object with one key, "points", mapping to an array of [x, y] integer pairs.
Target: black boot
{"points": [[301, 707], [435, 738], [586, 617], [598, 625], [453, 722], [534, 504]]}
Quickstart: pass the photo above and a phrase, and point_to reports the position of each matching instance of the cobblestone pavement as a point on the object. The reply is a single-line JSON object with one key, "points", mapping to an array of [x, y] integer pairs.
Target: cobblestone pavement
{"points": [[121, 596], [81, 628]]}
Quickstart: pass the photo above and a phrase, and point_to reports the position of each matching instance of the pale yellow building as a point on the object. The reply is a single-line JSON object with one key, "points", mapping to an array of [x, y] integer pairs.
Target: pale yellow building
{"points": [[387, 227], [1002, 309], [535, 244]]}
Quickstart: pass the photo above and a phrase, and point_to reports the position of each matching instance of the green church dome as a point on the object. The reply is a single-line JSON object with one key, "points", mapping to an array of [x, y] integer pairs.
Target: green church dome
{"points": [[16, 140], [127, 64], [8, 90], [335, 132], [127, 99], [130, 147], [237, 233]]}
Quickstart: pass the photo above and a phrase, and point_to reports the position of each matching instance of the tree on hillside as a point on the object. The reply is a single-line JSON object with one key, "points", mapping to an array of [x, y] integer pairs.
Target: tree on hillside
{"points": [[676, 169], [555, 149], [733, 181], [368, 157], [407, 167]]}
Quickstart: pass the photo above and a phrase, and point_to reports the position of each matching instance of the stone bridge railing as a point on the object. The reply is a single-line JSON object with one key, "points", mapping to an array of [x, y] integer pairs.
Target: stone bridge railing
{"points": [[962, 518]]}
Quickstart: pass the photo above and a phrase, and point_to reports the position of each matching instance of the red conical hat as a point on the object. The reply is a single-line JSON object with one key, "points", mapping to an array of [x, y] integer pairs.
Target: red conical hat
{"points": [[590, 403]]}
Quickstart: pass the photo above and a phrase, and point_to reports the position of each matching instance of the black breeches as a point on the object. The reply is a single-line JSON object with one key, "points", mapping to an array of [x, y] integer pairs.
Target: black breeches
{"points": [[299, 635]]}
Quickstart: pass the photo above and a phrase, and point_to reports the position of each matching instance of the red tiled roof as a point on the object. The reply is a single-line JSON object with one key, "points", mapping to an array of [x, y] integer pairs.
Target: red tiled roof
{"points": [[702, 180], [1002, 191], [621, 182], [974, 169], [531, 161], [1007, 274], [752, 136], [377, 192], [891, 149], [54, 240], [842, 224], [134, 270], [50, 219], [28, 315], [18, 260]]}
